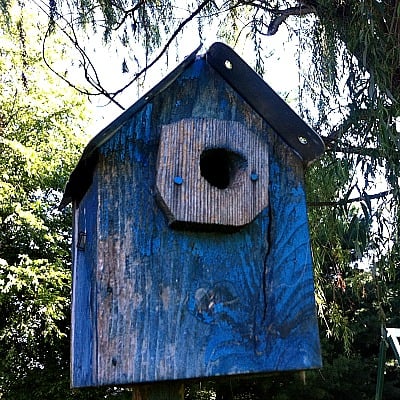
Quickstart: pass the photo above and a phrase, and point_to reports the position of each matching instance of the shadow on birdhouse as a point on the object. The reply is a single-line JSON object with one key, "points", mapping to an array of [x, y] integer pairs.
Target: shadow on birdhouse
{"points": [[191, 250]]}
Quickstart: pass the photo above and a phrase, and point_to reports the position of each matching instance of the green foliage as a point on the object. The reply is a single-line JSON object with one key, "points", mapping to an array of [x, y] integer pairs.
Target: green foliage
{"points": [[353, 191], [40, 139], [356, 225], [341, 378]]}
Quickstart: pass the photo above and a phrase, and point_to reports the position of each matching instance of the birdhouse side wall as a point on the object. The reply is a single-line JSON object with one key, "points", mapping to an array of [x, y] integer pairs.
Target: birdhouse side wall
{"points": [[83, 309]]}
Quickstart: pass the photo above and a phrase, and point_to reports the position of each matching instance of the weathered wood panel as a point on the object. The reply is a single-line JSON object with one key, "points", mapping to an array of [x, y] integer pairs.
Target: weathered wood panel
{"points": [[212, 172], [174, 304], [83, 315]]}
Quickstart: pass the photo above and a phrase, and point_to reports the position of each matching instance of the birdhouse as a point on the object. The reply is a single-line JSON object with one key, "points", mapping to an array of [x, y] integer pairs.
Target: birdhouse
{"points": [[191, 249]]}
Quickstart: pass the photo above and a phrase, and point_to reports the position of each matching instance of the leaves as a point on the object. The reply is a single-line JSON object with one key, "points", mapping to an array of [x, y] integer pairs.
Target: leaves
{"points": [[37, 296], [40, 140]]}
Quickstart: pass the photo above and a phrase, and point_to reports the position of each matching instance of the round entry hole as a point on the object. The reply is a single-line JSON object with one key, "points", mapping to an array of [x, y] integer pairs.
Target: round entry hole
{"points": [[219, 166]]}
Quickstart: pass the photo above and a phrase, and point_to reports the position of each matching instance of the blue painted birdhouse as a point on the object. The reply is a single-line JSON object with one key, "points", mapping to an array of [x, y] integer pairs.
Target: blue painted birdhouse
{"points": [[191, 249]]}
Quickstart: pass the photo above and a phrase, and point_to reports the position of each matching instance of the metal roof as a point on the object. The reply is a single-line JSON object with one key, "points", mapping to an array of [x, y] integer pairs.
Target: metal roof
{"points": [[304, 141]]}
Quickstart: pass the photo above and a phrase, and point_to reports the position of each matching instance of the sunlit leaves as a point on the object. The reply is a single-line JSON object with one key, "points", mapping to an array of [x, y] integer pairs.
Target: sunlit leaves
{"points": [[41, 136], [37, 297]]}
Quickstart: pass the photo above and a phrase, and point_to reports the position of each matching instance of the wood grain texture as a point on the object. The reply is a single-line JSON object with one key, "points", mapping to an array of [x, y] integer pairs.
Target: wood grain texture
{"points": [[84, 317], [175, 304], [240, 155]]}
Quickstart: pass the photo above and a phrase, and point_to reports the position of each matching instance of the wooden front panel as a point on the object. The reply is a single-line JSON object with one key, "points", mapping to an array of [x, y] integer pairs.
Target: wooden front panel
{"points": [[177, 304]]}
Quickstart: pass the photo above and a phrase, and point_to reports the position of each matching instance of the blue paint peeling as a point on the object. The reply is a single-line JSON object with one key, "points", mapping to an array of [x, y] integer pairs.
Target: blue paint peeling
{"points": [[196, 70]]}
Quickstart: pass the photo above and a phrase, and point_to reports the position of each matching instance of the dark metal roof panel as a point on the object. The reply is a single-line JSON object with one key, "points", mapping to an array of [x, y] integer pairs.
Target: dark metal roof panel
{"points": [[292, 129]]}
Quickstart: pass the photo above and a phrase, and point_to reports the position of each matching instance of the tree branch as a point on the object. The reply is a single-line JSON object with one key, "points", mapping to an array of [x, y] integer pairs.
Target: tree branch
{"points": [[95, 83], [362, 151], [358, 199], [126, 13], [282, 15], [166, 46]]}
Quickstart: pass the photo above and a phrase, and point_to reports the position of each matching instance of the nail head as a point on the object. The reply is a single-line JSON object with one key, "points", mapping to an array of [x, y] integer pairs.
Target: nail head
{"points": [[254, 176], [303, 140], [178, 180]]}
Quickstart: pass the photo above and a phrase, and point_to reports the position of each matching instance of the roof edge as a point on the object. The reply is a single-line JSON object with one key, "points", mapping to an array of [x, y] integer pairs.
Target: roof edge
{"points": [[89, 155], [110, 129], [263, 99]]}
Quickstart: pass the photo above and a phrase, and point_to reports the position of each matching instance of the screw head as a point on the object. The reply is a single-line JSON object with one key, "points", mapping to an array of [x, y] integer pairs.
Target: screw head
{"points": [[178, 180], [303, 140], [254, 176], [228, 64]]}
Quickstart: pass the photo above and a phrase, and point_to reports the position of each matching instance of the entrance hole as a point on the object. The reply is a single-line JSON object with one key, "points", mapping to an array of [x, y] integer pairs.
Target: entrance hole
{"points": [[219, 166]]}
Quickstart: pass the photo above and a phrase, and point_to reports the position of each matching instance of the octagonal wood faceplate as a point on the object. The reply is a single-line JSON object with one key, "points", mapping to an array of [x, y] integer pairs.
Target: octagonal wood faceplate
{"points": [[211, 172]]}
